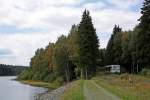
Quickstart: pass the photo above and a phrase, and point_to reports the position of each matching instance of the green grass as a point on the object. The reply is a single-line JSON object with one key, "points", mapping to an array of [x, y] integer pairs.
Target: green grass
{"points": [[74, 91], [138, 89], [53, 85]]}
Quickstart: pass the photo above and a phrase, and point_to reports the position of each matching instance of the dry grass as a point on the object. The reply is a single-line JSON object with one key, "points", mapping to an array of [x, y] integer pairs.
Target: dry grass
{"points": [[128, 87]]}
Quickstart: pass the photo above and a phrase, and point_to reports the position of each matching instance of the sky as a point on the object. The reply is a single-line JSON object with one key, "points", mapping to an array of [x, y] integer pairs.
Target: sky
{"points": [[26, 25]]}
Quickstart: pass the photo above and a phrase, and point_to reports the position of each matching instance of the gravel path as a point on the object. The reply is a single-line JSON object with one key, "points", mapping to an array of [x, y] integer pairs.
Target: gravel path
{"points": [[52, 95], [93, 91]]}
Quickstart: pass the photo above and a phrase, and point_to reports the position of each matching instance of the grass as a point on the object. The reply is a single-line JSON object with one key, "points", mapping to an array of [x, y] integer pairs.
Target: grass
{"points": [[74, 91], [127, 87], [53, 85]]}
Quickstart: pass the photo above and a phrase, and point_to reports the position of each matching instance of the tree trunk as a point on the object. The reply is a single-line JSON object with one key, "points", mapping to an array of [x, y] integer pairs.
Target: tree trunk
{"points": [[133, 67], [86, 73], [137, 68], [66, 75], [68, 72], [82, 73]]}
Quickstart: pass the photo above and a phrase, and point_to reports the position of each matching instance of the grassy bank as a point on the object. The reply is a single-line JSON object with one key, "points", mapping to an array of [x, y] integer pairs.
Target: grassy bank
{"points": [[74, 91], [127, 87], [53, 85]]}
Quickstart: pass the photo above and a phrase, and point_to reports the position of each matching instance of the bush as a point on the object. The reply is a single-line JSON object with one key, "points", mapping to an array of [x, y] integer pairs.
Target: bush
{"points": [[59, 81], [26, 74], [145, 71]]}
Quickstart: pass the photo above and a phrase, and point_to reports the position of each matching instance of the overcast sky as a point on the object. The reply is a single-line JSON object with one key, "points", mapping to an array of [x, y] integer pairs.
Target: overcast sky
{"points": [[26, 25]]}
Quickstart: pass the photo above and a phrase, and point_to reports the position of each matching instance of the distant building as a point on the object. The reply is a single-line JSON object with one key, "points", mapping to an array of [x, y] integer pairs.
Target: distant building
{"points": [[113, 69]]}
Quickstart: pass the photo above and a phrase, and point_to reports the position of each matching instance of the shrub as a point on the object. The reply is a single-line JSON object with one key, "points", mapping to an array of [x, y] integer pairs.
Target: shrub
{"points": [[26, 74], [145, 71]]}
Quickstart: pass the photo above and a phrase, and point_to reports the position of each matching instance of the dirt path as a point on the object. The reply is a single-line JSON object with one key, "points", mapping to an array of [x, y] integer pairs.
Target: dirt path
{"points": [[93, 91]]}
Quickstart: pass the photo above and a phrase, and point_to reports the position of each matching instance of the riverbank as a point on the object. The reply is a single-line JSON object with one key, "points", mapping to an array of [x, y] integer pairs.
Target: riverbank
{"points": [[50, 86], [52, 95], [124, 87]]}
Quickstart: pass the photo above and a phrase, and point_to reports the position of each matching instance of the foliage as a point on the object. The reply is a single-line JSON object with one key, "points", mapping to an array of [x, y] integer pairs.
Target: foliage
{"points": [[62, 61], [87, 42], [113, 49], [131, 49], [143, 38], [101, 61], [145, 72], [7, 70]]}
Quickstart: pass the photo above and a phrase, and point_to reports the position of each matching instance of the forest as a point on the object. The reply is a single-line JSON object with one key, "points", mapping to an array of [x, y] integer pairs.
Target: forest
{"points": [[79, 55], [9, 70]]}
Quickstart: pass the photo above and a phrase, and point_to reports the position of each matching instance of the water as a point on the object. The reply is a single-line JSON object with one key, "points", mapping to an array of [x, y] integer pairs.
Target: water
{"points": [[13, 90]]}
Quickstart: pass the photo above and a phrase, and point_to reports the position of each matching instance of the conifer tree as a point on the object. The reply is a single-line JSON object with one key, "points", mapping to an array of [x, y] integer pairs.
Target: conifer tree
{"points": [[87, 46], [143, 38], [113, 49]]}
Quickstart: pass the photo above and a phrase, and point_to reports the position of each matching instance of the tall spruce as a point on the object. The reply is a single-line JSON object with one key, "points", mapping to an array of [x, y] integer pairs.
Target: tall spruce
{"points": [[87, 46], [113, 49], [143, 38], [117, 45]]}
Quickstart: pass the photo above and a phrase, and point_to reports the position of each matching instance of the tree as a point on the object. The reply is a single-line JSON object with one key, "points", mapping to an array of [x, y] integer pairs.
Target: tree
{"points": [[143, 38], [132, 46], [72, 50], [109, 51], [113, 49], [87, 46], [72, 43], [126, 58], [117, 45], [61, 59], [41, 64], [101, 58]]}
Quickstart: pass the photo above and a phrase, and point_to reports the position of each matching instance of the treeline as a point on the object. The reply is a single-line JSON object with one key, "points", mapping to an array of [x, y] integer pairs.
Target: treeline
{"points": [[10, 70], [71, 57], [78, 55], [131, 49]]}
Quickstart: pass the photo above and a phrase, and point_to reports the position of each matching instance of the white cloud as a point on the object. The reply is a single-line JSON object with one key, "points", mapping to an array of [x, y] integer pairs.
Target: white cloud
{"points": [[23, 46], [94, 6], [124, 4], [56, 17]]}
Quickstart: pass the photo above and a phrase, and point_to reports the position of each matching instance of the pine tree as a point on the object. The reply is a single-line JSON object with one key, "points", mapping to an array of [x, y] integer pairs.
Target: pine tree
{"points": [[87, 46], [143, 38]]}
